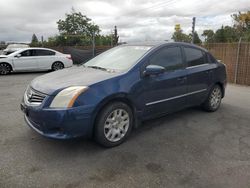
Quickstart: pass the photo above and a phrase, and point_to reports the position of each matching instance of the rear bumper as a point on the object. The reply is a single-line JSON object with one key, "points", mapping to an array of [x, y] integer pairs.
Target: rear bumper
{"points": [[59, 124]]}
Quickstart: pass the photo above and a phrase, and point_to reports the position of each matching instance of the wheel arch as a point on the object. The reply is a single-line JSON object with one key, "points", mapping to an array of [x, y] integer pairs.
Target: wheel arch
{"points": [[11, 67], [222, 88], [58, 61], [121, 97]]}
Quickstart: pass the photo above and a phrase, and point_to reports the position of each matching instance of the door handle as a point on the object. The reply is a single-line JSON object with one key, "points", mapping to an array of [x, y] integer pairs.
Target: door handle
{"points": [[182, 79], [209, 71]]}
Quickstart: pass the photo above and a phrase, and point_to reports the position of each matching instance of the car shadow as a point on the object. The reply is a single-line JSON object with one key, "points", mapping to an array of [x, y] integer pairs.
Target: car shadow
{"points": [[26, 73], [89, 145], [165, 120]]}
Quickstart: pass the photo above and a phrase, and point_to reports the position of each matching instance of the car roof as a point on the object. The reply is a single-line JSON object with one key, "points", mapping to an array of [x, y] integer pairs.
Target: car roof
{"points": [[156, 44], [37, 48], [32, 48]]}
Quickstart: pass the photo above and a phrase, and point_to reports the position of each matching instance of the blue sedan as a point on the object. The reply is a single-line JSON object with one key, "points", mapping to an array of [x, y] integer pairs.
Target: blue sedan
{"points": [[112, 93]]}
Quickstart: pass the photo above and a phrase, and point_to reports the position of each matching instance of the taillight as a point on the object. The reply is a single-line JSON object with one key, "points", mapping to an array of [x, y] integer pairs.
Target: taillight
{"points": [[69, 57]]}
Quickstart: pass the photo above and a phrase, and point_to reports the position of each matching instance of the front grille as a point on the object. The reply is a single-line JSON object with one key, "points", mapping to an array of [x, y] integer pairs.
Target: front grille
{"points": [[34, 97]]}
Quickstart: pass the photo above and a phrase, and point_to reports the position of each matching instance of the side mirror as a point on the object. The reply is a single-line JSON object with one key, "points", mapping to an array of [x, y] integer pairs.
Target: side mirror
{"points": [[153, 70], [18, 55]]}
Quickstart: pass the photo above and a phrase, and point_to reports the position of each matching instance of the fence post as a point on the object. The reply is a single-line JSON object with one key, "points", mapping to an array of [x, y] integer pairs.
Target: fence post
{"points": [[237, 62]]}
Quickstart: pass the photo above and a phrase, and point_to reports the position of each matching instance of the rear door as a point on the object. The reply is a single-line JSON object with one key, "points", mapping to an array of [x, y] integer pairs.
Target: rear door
{"points": [[26, 61], [199, 72], [45, 58], [165, 92]]}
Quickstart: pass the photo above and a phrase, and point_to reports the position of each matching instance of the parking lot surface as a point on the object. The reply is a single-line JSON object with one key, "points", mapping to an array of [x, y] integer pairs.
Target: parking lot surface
{"points": [[190, 148]]}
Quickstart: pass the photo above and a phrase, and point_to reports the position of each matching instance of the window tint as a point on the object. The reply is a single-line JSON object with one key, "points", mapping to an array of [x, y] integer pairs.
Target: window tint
{"points": [[168, 57], [211, 59], [27, 53], [194, 57], [44, 53]]}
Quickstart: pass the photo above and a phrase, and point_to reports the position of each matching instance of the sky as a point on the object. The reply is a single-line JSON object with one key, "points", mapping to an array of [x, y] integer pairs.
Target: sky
{"points": [[138, 20]]}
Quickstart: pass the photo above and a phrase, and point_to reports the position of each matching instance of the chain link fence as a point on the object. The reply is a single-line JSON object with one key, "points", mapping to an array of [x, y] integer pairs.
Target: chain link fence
{"points": [[236, 56], [81, 54]]}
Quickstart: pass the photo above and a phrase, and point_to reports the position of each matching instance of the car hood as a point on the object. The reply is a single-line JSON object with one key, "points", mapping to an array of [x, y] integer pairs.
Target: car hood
{"points": [[75, 76]]}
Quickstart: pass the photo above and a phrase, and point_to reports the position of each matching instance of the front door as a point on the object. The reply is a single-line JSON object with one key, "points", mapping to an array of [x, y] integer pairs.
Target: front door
{"points": [[25, 61], [165, 92]]}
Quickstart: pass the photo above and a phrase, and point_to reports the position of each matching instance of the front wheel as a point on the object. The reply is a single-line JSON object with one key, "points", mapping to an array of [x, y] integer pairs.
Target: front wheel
{"points": [[114, 124], [214, 99], [4, 69]]}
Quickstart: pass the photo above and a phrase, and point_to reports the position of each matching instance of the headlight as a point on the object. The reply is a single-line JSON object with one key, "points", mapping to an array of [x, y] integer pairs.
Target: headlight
{"points": [[67, 97]]}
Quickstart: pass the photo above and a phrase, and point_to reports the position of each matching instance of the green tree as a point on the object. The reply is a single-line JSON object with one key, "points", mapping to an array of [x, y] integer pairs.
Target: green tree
{"points": [[241, 21], [197, 39], [209, 35], [241, 28], [103, 40], [242, 24], [34, 39], [179, 36], [76, 23], [220, 35], [226, 34]]}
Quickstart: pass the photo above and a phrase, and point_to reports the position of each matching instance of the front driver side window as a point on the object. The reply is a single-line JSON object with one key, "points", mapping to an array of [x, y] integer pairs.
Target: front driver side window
{"points": [[26, 53], [168, 57]]}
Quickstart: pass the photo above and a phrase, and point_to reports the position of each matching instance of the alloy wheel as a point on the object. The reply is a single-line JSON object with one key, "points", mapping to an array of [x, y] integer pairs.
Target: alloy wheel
{"points": [[57, 66], [215, 98], [116, 125], [4, 69]]}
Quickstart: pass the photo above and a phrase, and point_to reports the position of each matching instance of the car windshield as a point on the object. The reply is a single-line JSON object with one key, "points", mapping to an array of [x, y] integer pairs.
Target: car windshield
{"points": [[119, 58]]}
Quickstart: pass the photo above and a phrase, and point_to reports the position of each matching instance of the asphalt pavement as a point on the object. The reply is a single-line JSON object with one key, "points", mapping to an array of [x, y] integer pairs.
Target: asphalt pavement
{"points": [[191, 148]]}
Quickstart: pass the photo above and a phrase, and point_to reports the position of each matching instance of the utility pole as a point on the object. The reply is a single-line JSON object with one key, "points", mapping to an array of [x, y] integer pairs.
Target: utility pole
{"points": [[42, 40], [116, 37], [93, 43], [111, 42], [193, 29]]}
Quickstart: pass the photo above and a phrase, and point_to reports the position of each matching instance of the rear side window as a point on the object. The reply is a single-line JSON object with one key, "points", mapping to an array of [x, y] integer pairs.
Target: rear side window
{"points": [[194, 56], [211, 58], [168, 57], [44, 53]]}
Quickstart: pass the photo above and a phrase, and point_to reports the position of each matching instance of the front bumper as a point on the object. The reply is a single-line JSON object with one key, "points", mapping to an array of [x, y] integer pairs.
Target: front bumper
{"points": [[59, 123]]}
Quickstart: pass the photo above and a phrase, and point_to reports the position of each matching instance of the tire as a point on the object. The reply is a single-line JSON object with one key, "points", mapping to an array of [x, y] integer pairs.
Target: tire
{"points": [[57, 66], [5, 68], [213, 101], [114, 124]]}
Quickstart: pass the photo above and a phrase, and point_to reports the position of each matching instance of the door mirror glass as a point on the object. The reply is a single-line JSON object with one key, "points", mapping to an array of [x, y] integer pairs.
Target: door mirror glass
{"points": [[153, 70]]}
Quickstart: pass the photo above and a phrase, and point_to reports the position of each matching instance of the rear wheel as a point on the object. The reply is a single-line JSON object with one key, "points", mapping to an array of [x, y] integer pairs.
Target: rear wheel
{"points": [[57, 66], [214, 99], [5, 68], [114, 124]]}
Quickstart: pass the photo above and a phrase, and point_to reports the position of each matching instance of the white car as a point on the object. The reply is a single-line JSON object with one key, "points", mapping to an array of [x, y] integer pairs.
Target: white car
{"points": [[14, 47], [34, 59]]}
